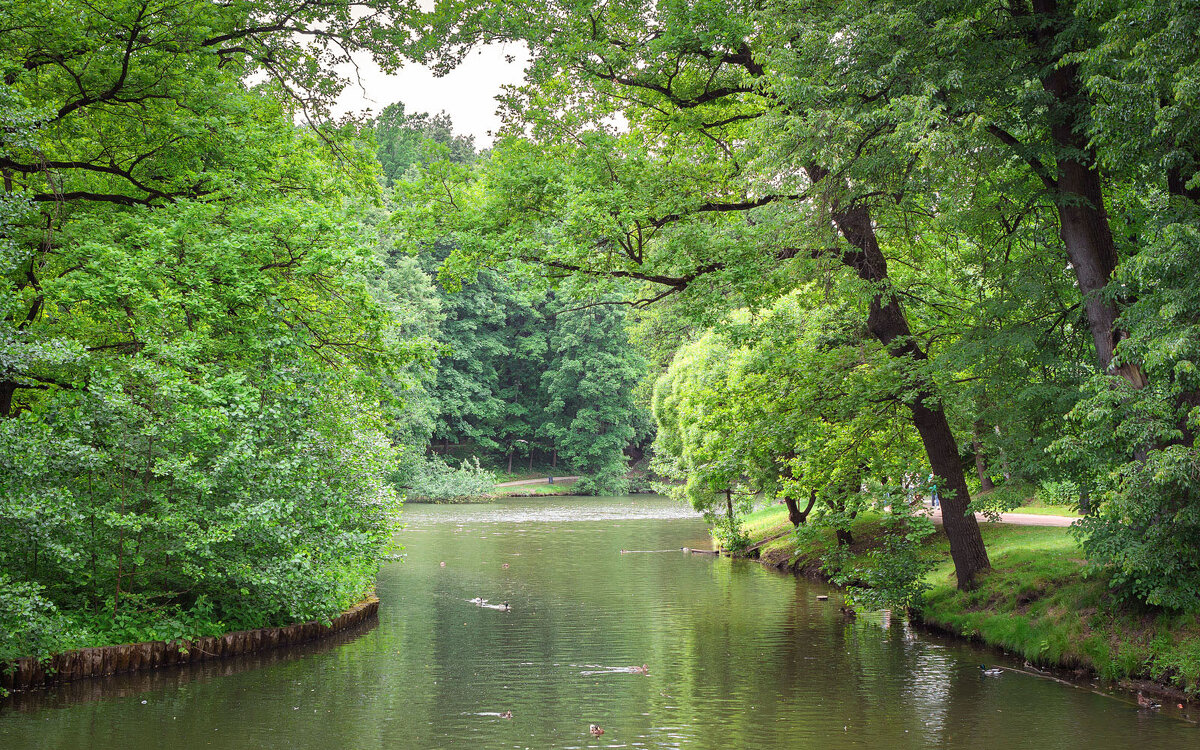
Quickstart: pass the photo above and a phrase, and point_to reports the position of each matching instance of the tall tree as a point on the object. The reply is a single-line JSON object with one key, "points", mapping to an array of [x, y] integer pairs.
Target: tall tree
{"points": [[404, 140], [696, 79], [588, 385], [192, 429]]}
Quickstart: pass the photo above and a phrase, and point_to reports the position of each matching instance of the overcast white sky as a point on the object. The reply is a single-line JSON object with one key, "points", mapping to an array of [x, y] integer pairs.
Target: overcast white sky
{"points": [[467, 94]]}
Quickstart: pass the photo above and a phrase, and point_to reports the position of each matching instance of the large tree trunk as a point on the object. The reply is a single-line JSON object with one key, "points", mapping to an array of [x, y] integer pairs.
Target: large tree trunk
{"points": [[1177, 181], [887, 323], [7, 389], [1083, 220], [845, 537], [795, 515]]}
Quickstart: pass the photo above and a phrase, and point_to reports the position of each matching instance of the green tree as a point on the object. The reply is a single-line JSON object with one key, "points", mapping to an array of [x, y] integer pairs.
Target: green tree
{"points": [[732, 219], [192, 412], [404, 140], [588, 383]]}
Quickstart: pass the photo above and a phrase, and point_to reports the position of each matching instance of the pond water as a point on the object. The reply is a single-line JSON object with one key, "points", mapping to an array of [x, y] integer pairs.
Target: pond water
{"points": [[738, 656]]}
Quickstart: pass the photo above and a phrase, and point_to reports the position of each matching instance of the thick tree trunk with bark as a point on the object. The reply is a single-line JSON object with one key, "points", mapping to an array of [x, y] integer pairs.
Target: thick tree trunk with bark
{"points": [[1083, 220], [7, 389], [799, 517], [887, 323]]}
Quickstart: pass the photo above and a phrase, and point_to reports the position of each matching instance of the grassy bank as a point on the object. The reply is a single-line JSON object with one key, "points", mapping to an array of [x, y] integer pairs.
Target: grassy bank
{"points": [[520, 490], [464, 500], [538, 490], [1035, 602]]}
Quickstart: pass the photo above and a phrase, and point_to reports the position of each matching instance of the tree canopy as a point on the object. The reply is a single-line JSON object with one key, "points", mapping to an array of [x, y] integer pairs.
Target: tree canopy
{"points": [[842, 251], [962, 177]]}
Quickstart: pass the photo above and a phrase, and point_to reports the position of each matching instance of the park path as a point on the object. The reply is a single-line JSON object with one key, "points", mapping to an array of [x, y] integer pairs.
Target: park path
{"points": [[539, 480], [1019, 519]]}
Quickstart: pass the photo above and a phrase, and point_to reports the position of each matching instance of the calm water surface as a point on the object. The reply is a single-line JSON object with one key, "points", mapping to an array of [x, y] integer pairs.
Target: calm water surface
{"points": [[739, 657]]}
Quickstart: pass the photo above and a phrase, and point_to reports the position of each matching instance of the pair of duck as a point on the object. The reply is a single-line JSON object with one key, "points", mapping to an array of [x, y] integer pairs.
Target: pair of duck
{"points": [[1143, 700]]}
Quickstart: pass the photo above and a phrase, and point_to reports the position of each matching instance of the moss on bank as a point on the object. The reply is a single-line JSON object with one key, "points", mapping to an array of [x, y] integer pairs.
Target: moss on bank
{"points": [[1035, 601]]}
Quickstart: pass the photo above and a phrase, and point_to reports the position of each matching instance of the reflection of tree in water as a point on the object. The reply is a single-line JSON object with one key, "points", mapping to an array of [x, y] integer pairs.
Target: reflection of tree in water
{"points": [[578, 605], [175, 677], [822, 677], [738, 655]]}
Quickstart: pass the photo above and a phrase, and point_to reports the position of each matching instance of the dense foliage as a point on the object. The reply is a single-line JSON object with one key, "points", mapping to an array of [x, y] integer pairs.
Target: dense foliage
{"points": [[192, 433], [528, 368], [999, 199], [865, 248]]}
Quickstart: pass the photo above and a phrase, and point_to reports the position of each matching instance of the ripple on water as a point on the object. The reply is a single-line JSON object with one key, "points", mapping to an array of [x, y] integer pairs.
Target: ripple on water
{"points": [[738, 657]]}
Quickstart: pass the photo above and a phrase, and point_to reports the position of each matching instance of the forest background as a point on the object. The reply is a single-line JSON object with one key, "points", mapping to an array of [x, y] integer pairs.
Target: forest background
{"points": [[842, 252]]}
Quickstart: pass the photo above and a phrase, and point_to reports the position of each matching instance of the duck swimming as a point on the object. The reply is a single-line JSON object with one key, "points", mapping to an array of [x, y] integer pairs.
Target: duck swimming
{"points": [[595, 730], [481, 602], [640, 670], [993, 672]]}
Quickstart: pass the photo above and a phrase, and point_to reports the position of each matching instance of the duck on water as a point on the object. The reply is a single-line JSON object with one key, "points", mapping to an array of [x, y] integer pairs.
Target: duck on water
{"points": [[481, 602]]}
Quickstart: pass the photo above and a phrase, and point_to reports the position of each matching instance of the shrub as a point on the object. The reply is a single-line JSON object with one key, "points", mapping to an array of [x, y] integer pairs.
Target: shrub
{"points": [[432, 478]]}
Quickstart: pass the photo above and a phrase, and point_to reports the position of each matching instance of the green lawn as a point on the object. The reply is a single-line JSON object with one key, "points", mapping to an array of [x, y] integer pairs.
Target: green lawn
{"points": [[1038, 509]]}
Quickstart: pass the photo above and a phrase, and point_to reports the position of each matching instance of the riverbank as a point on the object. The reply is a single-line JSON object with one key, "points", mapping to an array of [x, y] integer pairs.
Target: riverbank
{"points": [[79, 664], [1036, 602], [523, 488]]}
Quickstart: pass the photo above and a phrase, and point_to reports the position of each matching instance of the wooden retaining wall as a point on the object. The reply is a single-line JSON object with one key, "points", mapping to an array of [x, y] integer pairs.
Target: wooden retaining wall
{"points": [[107, 660]]}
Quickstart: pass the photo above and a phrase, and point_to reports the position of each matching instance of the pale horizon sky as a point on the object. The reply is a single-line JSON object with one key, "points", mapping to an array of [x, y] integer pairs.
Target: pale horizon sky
{"points": [[467, 93]]}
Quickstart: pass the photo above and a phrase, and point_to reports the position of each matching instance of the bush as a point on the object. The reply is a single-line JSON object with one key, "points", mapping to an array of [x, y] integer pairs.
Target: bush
{"points": [[1064, 492], [607, 483], [160, 507], [432, 478], [1146, 530], [728, 533], [893, 574], [1003, 499], [30, 624]]}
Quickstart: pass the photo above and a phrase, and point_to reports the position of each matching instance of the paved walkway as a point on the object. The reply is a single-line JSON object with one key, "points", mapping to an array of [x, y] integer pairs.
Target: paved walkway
{"points": [[1019, 519], [540, 480]]}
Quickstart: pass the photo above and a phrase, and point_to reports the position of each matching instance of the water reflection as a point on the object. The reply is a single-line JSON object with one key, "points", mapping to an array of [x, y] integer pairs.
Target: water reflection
{"points": [[737, 656], [173, 677]]}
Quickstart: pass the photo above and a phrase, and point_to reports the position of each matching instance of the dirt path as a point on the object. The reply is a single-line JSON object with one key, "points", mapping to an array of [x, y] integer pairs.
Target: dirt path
{"points": [[540, 480], [1019, 519]]}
